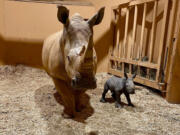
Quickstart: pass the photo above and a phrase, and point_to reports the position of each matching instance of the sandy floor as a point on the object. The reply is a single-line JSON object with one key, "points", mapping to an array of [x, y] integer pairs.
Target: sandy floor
{"points": [[29, 105]]}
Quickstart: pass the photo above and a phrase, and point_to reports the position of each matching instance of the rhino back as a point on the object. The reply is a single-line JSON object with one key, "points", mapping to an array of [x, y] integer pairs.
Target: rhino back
{"points": [[116, 83], [52, 57]]}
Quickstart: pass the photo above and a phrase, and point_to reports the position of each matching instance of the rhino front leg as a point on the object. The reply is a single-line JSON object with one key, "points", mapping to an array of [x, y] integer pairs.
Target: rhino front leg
{"points": [[79, 106], [68, 98], [118, 100], [113, 95], [128, 99]]}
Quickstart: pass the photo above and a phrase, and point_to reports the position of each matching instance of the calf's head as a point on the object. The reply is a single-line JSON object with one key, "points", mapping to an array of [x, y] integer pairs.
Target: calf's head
{"points": [[130, 87], [79, 54]]}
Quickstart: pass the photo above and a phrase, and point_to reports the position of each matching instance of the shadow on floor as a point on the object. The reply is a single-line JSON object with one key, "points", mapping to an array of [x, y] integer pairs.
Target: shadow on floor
{"points": [[50, 103]]}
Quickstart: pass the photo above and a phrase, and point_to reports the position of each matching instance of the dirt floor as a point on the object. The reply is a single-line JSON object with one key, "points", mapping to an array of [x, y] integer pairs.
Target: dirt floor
{"points": [[29, 105]]}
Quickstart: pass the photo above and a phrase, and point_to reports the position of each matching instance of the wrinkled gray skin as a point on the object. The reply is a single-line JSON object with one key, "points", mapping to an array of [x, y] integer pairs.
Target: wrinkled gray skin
{"points": [[117, 86]]}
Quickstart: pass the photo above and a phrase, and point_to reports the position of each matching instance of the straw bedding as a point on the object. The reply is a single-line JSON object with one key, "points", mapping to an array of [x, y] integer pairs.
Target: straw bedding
{"points": [[30, 105]]}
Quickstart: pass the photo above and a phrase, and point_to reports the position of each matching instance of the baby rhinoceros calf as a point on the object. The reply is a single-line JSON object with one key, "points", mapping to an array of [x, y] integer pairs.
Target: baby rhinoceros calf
{"points": [[117, 86]]}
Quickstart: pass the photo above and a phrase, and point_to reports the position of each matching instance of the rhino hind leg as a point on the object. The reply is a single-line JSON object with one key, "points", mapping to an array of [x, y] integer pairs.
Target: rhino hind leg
{"points": [[68, 98], [106, 88]]}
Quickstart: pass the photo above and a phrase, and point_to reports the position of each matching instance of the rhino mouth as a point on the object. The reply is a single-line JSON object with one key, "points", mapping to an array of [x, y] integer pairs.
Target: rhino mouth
{"points": [[84, 83]]}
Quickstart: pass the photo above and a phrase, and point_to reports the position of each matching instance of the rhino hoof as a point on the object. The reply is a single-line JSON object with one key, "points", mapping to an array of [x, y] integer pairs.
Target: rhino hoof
{"points": [[131, 105], [102, 100], [117, 105], [67, 116]]}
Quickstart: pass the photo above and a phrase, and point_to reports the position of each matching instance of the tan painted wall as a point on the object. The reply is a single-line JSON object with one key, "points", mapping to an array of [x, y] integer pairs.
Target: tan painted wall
{"points": [[25, 26], [1, 30]]}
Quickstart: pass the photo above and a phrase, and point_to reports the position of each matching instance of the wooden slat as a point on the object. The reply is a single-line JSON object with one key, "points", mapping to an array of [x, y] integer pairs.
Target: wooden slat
{"points": [[153, 31], [121, 4], [127, 3], [144, 64], [142, 31], [134, 31], [162, 38], [130, 68], [117, 34], [137, 2], [150, 83], [112, 37], [113, 22], [123, 67], [119, 45], [125, 33], [115, 50]]}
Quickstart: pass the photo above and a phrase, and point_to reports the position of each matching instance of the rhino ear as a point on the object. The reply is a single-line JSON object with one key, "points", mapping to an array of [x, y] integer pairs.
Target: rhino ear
{"points": [[63, 14], [97, 18], [125, 75], [134, 75]]}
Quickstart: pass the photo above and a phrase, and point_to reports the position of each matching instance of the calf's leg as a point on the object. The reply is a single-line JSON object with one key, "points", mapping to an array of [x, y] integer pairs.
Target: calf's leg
{"points": [[113, 95], [118, 100], [67, 96], [128, 99], [106, 88]]}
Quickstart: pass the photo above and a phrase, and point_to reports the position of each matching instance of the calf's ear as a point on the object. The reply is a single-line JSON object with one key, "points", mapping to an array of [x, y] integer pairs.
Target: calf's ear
{"points": [[97, 18], [125, 75], [63, 14], [134, 75]]}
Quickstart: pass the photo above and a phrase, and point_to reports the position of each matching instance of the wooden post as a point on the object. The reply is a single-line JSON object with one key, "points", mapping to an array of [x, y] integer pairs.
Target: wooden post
{"points": [[115, 33], [119, 45], [134, 31], [173, 93], [142, 32], [152, 32], [162, 38], [170, 35], [125, 35]]}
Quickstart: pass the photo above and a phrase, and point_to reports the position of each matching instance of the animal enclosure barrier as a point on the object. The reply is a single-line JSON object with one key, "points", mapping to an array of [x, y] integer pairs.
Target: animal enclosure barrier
{"points": [[139, 34]]}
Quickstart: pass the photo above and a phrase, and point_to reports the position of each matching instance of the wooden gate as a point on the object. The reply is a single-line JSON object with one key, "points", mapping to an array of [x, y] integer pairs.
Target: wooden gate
{"points": [[139, 32]]}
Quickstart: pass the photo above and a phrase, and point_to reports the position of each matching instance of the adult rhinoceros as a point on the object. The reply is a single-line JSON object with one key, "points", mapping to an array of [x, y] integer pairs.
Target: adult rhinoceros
{"points": [[69, 57]]}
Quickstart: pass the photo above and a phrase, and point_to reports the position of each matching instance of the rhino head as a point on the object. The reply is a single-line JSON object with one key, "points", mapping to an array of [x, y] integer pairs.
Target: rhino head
{"points": [[78, 47]]}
